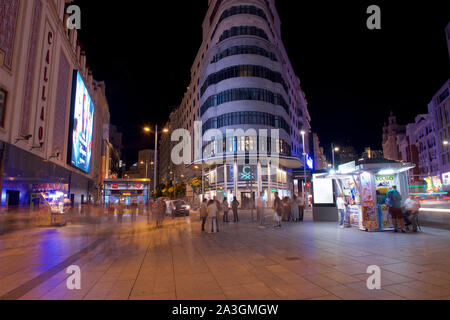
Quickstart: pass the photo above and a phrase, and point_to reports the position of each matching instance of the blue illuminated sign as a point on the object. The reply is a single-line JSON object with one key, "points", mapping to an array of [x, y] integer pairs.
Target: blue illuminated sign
{"points": [[309, 162]]}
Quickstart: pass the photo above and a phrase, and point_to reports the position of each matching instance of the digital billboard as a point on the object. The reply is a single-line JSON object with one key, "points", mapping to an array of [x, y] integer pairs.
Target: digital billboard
{"points": [[82, 125]]}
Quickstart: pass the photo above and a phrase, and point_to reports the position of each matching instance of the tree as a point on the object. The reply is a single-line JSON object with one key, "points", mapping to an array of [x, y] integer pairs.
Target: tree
{"points": [[196, 184]]}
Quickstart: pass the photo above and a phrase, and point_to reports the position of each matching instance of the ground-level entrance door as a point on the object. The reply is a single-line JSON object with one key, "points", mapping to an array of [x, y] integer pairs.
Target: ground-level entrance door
{"points": [[12, 198]]}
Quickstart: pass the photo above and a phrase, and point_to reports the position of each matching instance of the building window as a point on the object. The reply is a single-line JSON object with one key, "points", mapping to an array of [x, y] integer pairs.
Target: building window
{"points": [[2, 107], [244, 71], [248, 118], [237, 50], [243, 31], [241, 94], [240, 10]]}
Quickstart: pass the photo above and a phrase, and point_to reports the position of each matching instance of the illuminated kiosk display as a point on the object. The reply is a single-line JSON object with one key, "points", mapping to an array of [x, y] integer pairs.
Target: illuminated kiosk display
{"points": [[81, 125], [131, 191], [364, 183]]}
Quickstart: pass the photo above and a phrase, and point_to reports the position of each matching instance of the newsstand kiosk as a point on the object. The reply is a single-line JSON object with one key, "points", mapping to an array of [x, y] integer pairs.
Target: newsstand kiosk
{"points": [[365, 183]]}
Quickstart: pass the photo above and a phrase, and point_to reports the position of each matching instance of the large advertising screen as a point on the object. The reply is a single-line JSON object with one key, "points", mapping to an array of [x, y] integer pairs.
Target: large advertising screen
{"points": [[82, 125], [323, 191]]}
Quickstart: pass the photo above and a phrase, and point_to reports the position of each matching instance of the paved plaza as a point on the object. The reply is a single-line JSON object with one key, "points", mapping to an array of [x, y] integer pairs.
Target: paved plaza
{"points": [[243, 262]]}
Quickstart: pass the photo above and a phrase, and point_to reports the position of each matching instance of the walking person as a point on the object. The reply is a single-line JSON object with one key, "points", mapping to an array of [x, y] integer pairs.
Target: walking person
{"points": [[342, 207], [301, 208], [260, 206], [219, 209], [286, 209], [412, 207], [295, 209], [204, 213], [212, 214], [278, 207], [235, 206], [162, 212], [394, 202], [226, 209], [120, 209], [149, 211]]}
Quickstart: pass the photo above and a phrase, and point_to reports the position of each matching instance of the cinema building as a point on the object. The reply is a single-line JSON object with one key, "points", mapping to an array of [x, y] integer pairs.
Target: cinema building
{"points": [[54, 116], [242, 79]]}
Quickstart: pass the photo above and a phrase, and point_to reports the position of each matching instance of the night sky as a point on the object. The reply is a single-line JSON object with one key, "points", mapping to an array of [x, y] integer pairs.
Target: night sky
{"points": [[352, 76]]}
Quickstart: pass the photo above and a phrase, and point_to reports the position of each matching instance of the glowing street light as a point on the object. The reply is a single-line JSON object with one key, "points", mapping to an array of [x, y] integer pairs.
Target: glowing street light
{"points": [[334, 149], [147, 129]]}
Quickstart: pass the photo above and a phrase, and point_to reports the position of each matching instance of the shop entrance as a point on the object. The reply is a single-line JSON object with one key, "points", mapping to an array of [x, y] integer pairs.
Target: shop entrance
{"points": [[12, 198], [246, 199]]}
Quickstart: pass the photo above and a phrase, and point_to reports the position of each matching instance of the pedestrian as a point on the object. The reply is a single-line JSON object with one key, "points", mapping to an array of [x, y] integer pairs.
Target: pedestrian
{"points": [[394, 202], [342, 208], [235, 206], [301, 207], [286, 209], [120, 209], [219, 209], [149, 211], [412, 207], [162, 212], [204, 213], [212, 214], [295, 209], [278, 208], [260, 206], [226, 209]]}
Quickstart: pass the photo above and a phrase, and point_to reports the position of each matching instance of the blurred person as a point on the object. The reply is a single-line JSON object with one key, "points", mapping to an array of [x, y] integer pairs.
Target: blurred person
{"points": [[301, 207], [295, 209], [141, 207], [219, 210], [286, 209], [260, 206], [342, 208], [278, 208], [120, 209], [235, 207], [226, 209], [162, 208], [149, 211], [204, 213], [212, 214], [394, 202], [412, 207]]}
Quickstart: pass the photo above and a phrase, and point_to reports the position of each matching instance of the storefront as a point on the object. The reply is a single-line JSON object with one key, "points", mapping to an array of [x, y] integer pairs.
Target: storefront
{"points": [[126, 191], [249, 179], [364, 185], [23, 171]]}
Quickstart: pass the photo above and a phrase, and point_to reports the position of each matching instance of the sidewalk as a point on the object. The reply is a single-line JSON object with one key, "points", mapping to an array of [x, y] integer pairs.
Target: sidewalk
{"points": [[300, 261]]}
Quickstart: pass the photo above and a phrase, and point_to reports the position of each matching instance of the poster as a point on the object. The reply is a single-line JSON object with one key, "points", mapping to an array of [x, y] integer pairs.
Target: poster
{"points": [[370, 218], [367, 190]]}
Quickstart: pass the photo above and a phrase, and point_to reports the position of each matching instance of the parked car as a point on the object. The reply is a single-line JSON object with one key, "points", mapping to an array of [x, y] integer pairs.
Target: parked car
{"points": [[178, 208]]}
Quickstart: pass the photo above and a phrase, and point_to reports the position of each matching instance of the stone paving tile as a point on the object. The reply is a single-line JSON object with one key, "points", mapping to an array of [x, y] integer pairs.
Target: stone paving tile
{"points": [[243, 262]]}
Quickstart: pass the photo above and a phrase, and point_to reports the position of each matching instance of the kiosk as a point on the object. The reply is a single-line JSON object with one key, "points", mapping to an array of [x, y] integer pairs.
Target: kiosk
{"points": [[364, 183]]}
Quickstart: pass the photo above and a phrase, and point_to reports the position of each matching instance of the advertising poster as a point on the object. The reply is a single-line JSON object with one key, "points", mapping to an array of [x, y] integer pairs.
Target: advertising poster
{"points": [[367, 190], [370, 218], [384, 218], [83, 124]]}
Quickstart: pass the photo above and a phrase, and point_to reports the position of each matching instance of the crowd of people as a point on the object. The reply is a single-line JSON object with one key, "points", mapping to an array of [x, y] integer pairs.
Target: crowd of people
{"points": [[285, 210]]}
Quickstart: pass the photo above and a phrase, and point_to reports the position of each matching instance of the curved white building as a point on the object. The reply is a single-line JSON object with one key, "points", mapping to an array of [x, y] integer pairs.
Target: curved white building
{"points": [[242, 79]]}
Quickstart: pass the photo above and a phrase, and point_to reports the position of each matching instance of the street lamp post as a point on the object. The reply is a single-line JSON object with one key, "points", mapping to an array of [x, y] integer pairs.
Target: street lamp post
{"points": [[333, 150], [304, 164], [148, 130]]}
